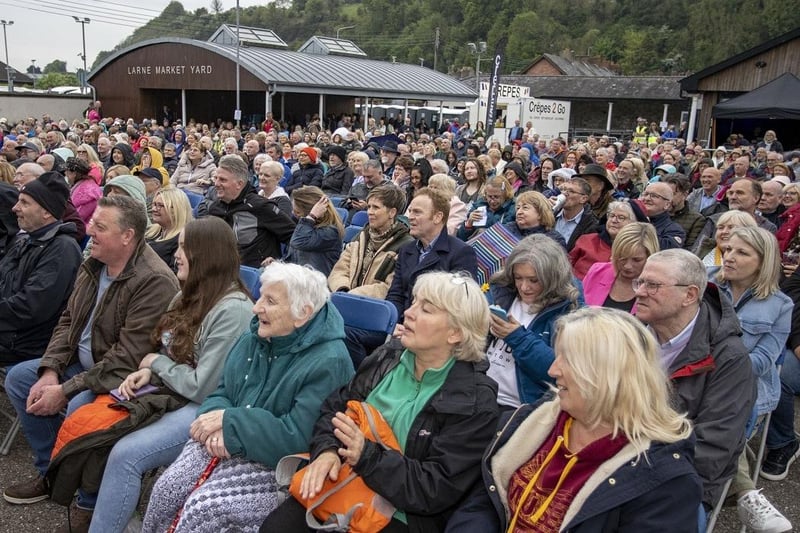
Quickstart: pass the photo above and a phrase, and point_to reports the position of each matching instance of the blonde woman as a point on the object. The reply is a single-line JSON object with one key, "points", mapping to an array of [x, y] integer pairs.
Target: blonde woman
{"points": [[458, 209], [711, 250], [171, 213], [87, 154], [606, 452]]}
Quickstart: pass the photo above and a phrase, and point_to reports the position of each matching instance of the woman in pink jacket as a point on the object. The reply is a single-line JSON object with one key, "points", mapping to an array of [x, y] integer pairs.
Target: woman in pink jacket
{"points": [[611, 284], [85, 191]]}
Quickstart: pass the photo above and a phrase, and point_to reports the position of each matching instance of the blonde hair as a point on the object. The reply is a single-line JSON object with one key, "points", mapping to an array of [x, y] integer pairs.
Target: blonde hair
{"points": [[616, 366], [633, 235], [540, 203], [500, 182], [177, 206], [766, 246], [91, 155], [462, 299], [306, 197], [443, 183]]}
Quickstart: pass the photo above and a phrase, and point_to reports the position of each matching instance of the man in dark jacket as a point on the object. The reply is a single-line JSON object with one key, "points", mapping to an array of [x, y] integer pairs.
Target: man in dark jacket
{"points": [[8, 222], [37, 273], [657, 200], [339, 178], [259, 224], [710, 368], [103, 334], [309, 171], [576, 217]]}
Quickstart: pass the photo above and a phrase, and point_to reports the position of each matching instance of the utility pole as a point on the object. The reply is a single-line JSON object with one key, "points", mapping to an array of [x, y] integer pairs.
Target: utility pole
{"points": [[478, 48], [237, 115], [435, 47], [83, 22], [9, 78]]}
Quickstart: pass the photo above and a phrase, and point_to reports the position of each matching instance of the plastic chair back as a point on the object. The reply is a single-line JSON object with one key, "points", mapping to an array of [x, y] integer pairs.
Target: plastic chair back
{"points": [[351, 232], [251, 277], [360, 218], [367, 313], [194, 198], [342, 214]]}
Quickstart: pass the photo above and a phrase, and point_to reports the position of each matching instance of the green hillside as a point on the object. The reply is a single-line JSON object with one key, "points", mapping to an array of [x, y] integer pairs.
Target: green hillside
{"points": [[642, 37]]}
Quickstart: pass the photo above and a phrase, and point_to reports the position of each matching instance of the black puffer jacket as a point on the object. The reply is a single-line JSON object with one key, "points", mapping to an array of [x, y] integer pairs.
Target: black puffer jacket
{"points": [[8, 221], [36, 279], [444, 446], [338, 181], [305, 175]]}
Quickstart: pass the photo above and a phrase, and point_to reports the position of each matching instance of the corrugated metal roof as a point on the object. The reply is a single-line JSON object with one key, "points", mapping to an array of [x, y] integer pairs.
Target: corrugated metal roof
{"points": [[328, 74], [661, 88]]}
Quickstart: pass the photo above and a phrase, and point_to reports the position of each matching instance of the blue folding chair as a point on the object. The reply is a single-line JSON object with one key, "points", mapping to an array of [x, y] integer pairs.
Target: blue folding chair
{"points": [[194, 198], [251, 277], [360, 218], [350, 233], [342, 214], [366, 313]]}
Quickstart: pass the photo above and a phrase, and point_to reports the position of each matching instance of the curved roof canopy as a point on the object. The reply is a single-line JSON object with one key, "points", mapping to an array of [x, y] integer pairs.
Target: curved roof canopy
{"points": [[296, 72]]}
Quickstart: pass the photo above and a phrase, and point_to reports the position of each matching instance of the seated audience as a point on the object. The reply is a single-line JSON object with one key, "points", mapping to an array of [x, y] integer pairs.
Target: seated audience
{"points": [[84, 190], [687, 218], [317, 237], [534, 215], [749, 278], [273, 384], [711, 250], [366, 266], [611, 284], [555, 465], [171, 213], [195, 170], [496, 205], [437, 373], [575, 218], [534, 288], [446, 185], [38, 270]]}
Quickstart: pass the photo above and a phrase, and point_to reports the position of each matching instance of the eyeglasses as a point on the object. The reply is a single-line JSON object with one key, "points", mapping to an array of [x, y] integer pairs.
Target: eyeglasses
{"points": [[621, 218], [648, 194], [570, 191], [651, 287]]}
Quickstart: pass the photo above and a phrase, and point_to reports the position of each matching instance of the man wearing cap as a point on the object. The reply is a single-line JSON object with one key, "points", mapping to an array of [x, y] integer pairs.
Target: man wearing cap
{"points": [[102, 335], [602, 190], [26, 153], [37, 273], [259, 224], [389, 153], [339, 178]]}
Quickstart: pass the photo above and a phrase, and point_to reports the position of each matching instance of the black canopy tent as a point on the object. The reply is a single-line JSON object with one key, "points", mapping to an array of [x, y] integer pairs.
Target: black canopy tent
{"points": [[778, 99], [773, 106]]}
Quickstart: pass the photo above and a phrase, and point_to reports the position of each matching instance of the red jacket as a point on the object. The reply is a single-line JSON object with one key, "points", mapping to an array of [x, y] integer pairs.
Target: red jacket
{"points": [[588, 250], [789, 226]]}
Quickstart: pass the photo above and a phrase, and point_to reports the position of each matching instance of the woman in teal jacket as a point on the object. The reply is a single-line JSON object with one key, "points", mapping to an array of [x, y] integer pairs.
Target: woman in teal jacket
{"points": [[273, 384]]}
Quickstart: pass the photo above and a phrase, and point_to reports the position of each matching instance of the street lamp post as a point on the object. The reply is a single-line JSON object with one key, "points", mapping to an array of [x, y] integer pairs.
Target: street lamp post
{"points": [[338, 30], [83, 22], [477, 48], [8, 67]]}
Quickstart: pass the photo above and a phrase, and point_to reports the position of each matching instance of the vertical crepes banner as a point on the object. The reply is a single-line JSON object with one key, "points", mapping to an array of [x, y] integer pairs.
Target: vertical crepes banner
{"points": [[494, 84]]}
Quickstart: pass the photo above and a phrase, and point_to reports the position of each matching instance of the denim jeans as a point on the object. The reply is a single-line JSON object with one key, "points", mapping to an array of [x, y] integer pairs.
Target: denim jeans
{"points": [[41, 431], [781, 426], [152, 446]]}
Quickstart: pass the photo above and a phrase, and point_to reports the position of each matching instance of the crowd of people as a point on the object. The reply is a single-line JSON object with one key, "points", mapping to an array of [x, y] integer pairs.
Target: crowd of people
{"points": [[603, 372]]}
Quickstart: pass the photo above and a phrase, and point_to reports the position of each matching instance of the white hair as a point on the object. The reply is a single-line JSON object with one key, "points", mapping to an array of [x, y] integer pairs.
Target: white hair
{"points": [[304, 286]]}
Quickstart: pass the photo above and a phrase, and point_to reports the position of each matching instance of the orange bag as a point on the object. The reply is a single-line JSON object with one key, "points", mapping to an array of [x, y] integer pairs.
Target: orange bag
{"points": [[347, 504]]}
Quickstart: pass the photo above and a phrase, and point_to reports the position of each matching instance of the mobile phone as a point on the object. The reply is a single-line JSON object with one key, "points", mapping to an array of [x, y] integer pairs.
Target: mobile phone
{"points": [[147, 389], [499, 312]]}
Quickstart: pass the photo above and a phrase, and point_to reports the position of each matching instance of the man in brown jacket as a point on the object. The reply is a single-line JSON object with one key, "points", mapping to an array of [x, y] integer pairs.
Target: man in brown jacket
{"points": [[119, 296]]}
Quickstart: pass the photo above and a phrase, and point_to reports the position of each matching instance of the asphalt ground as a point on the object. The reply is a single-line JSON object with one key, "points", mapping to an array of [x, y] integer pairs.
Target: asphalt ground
{"points": [[46, 516]]}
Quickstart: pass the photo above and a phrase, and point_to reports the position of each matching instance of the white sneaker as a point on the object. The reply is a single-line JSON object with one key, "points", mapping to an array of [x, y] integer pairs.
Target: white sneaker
{"points": [[758, 515]]}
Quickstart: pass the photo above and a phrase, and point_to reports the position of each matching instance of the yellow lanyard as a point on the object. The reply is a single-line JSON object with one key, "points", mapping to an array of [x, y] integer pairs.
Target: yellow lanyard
{"points": [[529, 487]]}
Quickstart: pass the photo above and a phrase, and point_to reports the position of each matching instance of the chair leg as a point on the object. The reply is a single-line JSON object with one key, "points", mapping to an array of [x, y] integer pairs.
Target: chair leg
{"points": [[712, 520], [8, 440]]}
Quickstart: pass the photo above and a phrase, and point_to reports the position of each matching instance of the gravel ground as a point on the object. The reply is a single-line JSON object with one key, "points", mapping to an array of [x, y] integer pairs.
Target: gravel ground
{"points": [[46, 516]]}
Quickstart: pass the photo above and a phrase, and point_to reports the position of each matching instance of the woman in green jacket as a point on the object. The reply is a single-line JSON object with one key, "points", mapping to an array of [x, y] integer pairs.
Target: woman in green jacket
{"points": [[274, 381]]}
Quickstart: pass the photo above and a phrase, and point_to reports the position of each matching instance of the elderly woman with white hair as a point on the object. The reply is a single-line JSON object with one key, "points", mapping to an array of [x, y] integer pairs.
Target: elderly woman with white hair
{"points": [[274, 381], [605, 453], [433, 393]]}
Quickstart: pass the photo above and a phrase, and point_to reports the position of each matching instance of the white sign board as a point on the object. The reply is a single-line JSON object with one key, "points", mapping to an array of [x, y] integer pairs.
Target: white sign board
{"points": [[550, 118], [506, 94]]}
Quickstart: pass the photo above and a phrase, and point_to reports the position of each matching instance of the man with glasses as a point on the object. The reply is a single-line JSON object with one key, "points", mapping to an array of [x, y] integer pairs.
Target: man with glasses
{"points": [[657, 200], [576, 217], [703, 354]]}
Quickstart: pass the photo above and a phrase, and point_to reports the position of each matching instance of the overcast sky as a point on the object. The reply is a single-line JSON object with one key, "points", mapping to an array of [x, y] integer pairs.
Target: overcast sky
{"points": [[44, 30]]}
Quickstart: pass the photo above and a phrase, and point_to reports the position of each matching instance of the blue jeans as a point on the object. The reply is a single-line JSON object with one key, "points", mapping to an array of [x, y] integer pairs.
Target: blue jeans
{"points": [[781, 426], [41, 431], [152, 446]]}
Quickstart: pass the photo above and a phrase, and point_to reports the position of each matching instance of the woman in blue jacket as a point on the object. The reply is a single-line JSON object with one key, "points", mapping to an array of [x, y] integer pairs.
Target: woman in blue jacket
{"points": [[535, 288], [317, 237], [497, 205]]}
